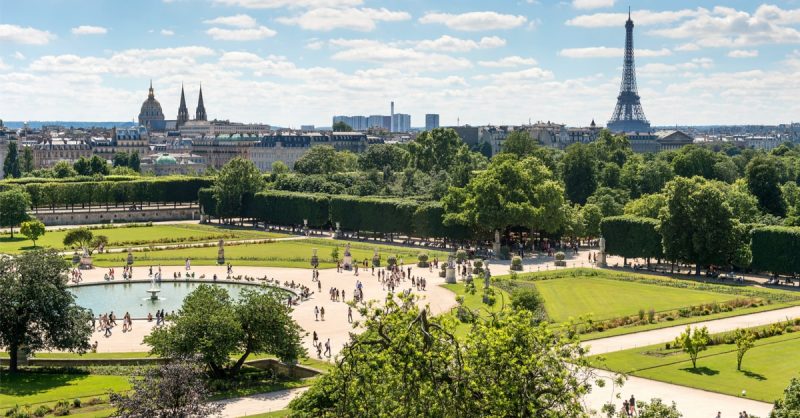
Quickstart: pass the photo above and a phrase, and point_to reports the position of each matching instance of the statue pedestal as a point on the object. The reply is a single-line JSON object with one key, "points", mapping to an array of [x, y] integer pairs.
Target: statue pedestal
{"points": [[601, 261], [450, 275], [86, 262], [347, 262]]}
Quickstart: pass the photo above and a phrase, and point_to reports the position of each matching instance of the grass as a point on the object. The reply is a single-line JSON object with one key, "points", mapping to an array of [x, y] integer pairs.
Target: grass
{"points": [[606, 298], [766, 369], [40, 387], [475, 303], [124, 236], [283, 413], [296, 254]]}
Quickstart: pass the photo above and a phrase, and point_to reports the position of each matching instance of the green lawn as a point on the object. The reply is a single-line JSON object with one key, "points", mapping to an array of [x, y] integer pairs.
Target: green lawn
{"points": [[607, 298], [475, 302], [274, 414], [34, 388], [766, 370], [122, 236], [274, 254]]}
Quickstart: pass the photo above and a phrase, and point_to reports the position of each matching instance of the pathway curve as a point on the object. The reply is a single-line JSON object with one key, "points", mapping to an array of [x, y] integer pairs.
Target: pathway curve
{"points": [[260, 403]]}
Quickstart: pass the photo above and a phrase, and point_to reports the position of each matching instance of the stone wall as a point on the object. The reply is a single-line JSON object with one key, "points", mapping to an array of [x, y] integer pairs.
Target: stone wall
{"points": [[85, 217]]}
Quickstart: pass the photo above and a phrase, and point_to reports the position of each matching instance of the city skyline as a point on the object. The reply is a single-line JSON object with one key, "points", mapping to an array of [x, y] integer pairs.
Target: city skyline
{"points": [[302, 62]]}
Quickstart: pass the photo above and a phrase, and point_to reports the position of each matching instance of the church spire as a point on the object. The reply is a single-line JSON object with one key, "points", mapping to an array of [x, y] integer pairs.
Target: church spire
{"points": [[183, 112], [150, 94], [200, 114]]}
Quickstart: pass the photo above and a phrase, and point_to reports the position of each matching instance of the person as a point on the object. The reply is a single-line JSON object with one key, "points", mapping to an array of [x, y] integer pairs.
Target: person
{"points": [[108, 330], [315, 337], [350, 314], [149, 317], [625, 407], [632, 405], [318, 346], [316, 313], [328, 348], [322, 313], [94, 346]]}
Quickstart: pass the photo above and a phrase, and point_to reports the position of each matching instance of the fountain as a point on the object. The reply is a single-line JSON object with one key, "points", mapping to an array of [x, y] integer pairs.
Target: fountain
{"points": [[154, 290]]}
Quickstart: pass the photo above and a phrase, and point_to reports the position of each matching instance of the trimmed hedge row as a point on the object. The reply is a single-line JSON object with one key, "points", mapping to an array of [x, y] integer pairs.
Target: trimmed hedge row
{"points": [[155, 189], [632, 236], [354, 213], [776, 249], [76, 179]]}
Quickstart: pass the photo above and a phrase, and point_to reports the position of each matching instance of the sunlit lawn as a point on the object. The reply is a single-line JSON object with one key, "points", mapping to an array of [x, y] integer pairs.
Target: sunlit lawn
{"points": [[122, 236], [33, 388]]}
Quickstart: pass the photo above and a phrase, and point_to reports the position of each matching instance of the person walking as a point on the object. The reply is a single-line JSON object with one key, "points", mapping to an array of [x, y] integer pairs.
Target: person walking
{"points": [[328, 348], [316, 313], [322, 313], [350, 314]]}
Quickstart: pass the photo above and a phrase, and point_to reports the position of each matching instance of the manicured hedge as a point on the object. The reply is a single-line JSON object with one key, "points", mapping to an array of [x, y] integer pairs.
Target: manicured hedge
{"points": [[632, 236], [76, 179], [373, 214], [143, 189], [205, 197], [427, 223], [776, 249], [287, 208]]}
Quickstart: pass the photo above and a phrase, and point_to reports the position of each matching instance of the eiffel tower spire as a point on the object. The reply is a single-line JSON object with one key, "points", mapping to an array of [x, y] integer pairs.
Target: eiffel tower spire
{"points": [[183, 112], [628, 114], [200, 114]]}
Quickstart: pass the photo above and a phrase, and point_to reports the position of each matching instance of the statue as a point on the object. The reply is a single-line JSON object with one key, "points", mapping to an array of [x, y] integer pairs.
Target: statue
{"points": [[450, 271], [496, 244], [376, 259], [314, 258], [305, 227], [347, 260], [221, 253], [130, 257], [86, 260], [338, 232], [602, 261]]}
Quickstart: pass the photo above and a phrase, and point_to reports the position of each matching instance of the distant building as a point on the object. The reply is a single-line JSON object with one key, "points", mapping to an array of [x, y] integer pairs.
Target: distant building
{"points": [[431, 121], [307, 128], [401, 122], [196, 128], [628, 115], [672, 140], [151, 116], [218, 150], [165, 164], [133, 139], [52, 150]]}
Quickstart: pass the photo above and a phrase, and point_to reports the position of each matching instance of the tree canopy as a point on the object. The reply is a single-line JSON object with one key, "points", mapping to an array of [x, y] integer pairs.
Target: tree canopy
{"points": [[237, 182]]}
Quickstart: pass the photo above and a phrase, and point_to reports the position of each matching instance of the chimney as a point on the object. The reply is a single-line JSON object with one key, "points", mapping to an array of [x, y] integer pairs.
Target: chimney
{"points": [[391, 119]]}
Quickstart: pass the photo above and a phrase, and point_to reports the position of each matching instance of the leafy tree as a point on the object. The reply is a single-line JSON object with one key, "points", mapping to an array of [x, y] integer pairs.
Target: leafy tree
{"points": [[692, 342], [11, 166], [38, 311], [609, 177], [214, 327], [725, 169], [26, 163], [744, 339], [579, 171], [435, 150], [175, 389], [14, 204], [692, 160], [789, 405], [697, 225], [82, 166], [632, 237], [764, 181], [612, 148], [32, 229], [610, 201], [407, 362], [381, 156], [279, 167], [655, 175], [134, 162], [120, 159], [656, 408], [592, 216], [63, 169], [647, 206], [85, 239], [322, 159], [342, 127], [237, 182], [520, 143], [98, 165], [529, 298]]}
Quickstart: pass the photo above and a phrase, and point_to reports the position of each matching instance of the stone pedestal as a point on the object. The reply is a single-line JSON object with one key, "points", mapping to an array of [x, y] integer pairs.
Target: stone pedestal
{"points": [[601, 260], [86, 261], [347, 260], [496, 244], [221, 253], [450, 275], [314, 258], [130, 257]]}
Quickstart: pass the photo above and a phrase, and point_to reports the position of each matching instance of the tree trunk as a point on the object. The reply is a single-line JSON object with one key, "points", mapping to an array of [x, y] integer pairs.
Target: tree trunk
{"points": [[13, 353], [697, 269], [238, 365], [12, 232]]}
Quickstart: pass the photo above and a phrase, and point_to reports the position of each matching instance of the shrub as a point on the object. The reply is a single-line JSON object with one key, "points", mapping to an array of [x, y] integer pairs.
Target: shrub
{"points": [[423, 260], [76, 403], [560, 256], [651, 315], [391, 261], [461, 255], [516, 263], [641, 314], [529, 298]]}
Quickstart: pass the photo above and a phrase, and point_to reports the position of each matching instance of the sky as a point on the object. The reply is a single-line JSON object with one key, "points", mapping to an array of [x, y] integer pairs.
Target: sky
{"points": [[293, 62]]}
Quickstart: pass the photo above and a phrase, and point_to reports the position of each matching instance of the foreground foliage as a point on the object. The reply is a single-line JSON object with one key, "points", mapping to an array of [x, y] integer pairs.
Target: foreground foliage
{"points": [[409, 364]]}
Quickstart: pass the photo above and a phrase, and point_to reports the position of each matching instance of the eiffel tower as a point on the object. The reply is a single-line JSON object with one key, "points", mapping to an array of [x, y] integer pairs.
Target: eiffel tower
{"points": [[628, 115]]}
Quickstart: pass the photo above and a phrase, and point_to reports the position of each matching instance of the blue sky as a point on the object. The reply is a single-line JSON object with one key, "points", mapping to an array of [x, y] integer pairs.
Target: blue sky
{"points": [[292, 62]]}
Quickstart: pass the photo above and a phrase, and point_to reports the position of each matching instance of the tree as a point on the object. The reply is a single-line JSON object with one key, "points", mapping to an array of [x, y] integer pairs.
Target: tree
{"points": [[175, 389], [342, 127], [789, 405], [693, 342], [98, 165], [134, 162], [32, 229], [120, 159], [38, 311], [632, 237], [411, 362], [322, 159], [764, 180], [610, 201], [744, 339], [592, 216], [279, 167], [692, 160], [63, 169], [237, 182], [82, 166], [84, 238], [520, 143], [647, 206], [436, 150], [656, 408], [14, 206], [26, 165], [11, 166], [579, 172], [213, 326], [381, 156], [530, 299]]}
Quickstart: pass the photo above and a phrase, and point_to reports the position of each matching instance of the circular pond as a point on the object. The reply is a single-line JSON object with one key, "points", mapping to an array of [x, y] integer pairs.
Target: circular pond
{"points": [[134, 298]]}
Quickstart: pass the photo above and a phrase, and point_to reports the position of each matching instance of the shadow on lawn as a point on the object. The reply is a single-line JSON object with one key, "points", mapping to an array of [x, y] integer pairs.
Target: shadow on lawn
{"points": [[26, 384], [753, 375], [705, 371]]}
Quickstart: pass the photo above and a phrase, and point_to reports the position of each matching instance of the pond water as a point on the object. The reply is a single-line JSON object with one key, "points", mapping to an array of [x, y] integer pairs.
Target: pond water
{"points": [[134, 298]]}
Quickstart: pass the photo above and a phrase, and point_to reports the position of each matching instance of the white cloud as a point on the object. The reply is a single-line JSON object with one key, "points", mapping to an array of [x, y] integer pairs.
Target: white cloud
{"points": [[253, 34], [239, 21], [511, 61], [606, 52], [640, 18], [359, 19], [3, 65], [28, 35], [167, 32], [449, 43], [367, 50], [89, 30], [274, 4], [658, 68], [315, 44], [475, 21], [592, 4], [743, 53], [18, 55]]}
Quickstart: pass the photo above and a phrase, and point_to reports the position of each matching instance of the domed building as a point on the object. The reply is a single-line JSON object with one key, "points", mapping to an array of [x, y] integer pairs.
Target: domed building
{"points": [[151, 116]]}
